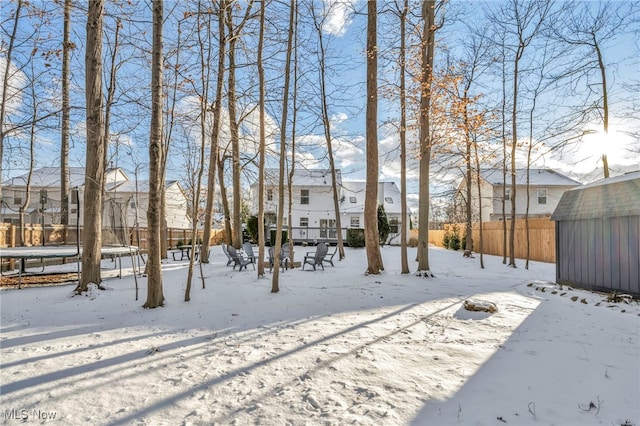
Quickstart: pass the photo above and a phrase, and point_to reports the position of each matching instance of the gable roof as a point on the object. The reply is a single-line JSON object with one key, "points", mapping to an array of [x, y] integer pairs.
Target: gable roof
{"points": [[537, 177], [356, 189], [303, 177], [612, 197], [49, 177]]}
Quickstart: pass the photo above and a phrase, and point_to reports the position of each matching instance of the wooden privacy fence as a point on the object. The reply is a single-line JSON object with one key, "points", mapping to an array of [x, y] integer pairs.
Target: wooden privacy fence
{"points": [[542, 238], [62, 234]]}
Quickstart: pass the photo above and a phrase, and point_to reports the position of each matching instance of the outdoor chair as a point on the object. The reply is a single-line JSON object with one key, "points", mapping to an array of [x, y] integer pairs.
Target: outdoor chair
{"points": [[238, 259], [285, 257], [329, 256], [226, 252], [316, 259], [247, 248]]}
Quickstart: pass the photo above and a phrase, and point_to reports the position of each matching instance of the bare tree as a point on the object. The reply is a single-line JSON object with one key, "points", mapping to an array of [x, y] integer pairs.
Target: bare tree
{"points": [[95, 167], [372, 239], [403, 138], [215, 134], [427, 49], [155, 295], [591, 28], [262, 145], [67, 46], [275, 287], [326, 124], [234, 32]]}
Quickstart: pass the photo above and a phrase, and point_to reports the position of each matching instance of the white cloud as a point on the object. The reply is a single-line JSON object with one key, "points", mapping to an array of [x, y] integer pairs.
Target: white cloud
{"points": [[17, 80], [337, 16]]}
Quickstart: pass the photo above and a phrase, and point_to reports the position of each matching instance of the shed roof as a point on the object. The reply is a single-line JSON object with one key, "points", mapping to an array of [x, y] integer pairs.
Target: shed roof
{"points": [[612, 197]]}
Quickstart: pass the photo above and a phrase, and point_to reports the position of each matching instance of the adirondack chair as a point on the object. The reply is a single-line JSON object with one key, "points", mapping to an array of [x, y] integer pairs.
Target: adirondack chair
{"points": [[329, 256], [316, 258], [285, 257], [247, 248], [226, 252], [238, 259]]}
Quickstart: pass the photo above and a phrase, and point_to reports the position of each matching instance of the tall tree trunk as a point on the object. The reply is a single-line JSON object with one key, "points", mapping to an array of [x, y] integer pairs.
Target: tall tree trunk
{"points": [[205, 60], [294, 120], [514, 146], [427, 52], [468, 245], [66, 109], [228, 234], [480, 248], [603, 74], [155, 296], [371, 236], [262, 148], [275, 286], [403, 140], [95, 167], [215, 135], [235, 135]]}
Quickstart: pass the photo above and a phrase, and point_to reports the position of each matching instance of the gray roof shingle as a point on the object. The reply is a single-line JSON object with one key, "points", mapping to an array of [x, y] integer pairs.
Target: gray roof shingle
{"points": [[613, 197]]}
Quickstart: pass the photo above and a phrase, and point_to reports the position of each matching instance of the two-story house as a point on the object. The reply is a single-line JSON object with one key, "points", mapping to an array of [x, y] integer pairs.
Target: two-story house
{"points": [[120, 199], [546, 187], [389, 196], [312, 209]]}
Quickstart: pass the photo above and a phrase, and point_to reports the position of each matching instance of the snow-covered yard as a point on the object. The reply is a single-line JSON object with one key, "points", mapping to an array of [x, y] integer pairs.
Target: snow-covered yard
{"points": [[333, 347]]}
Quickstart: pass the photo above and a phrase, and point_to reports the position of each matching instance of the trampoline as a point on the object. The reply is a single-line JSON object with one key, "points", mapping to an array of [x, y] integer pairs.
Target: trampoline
{"points": [[48, 252]]}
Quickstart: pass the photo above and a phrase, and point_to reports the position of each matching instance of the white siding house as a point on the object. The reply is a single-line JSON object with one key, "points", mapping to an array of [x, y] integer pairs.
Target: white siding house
{"points": [[130, 200], [546, 187], [120, 199], [312, 210], [352, 207]]}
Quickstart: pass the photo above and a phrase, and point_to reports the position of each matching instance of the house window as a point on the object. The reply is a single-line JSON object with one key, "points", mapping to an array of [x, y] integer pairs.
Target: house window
{"points": [[542, 195], [388, 200], [133, 204], [304, 222], [328, 228], [507, 194], [17, 197], [304, 196], [355, 222], [269, 194]]}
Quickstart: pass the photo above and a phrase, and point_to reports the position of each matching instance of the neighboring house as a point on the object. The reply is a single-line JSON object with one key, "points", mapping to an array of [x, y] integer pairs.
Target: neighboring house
{"points": [[352, 207], [312, 211], [130, 200], [598, 235], [119, 201], [546, 187]]}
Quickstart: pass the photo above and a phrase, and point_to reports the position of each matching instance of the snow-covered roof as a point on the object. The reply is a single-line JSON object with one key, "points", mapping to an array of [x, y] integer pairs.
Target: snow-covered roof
{"points": [[49, 177], [352, 198], [612, 197], [537, 177], [303, 177]]}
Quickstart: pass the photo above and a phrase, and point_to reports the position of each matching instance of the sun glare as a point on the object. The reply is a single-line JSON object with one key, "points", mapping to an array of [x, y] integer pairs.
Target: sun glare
{"points": [[597, 143]]}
